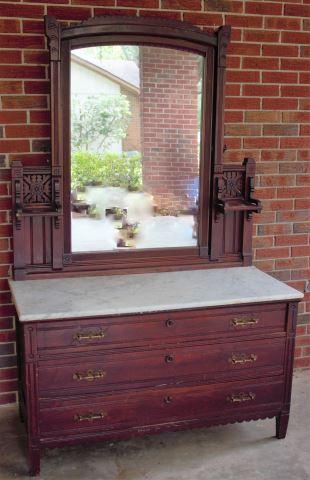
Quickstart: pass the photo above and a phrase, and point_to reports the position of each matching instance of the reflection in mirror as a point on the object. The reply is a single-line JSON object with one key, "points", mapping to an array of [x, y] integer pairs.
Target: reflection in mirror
{"points": [[135, 147]]}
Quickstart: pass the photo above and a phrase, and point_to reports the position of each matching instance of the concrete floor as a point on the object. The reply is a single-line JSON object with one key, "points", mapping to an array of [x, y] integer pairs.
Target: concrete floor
{"points": [[246, 451]]}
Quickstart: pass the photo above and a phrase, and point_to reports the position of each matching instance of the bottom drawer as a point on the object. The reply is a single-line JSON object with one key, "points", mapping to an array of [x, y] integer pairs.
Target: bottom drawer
{"points": [[154, 406]]}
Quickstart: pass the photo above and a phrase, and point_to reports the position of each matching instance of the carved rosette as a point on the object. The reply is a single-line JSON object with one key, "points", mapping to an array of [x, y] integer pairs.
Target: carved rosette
{"points": [[37, 189], [232, 184]]}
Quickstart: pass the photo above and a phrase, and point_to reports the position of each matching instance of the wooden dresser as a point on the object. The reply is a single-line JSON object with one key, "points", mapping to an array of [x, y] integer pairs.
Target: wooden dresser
{"points": [[117, 356]]}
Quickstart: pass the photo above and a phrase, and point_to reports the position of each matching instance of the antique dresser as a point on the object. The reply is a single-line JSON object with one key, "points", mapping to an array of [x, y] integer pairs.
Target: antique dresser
{"points": [[134, 320]]}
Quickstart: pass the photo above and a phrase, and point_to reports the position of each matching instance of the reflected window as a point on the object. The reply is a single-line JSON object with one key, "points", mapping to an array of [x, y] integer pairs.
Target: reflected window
{"points": [[135, 147]]}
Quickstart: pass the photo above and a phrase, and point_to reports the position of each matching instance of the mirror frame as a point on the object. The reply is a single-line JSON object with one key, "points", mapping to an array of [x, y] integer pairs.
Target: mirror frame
{"points": [[111, 30]]}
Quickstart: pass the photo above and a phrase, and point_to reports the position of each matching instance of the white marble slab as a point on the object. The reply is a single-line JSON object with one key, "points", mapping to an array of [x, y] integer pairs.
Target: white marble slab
{"points": [[147, 292]]}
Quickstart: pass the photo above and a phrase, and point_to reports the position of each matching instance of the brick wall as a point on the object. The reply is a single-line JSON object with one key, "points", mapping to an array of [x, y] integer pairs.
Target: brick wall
{"points": [[266, 118], [169, 118]]}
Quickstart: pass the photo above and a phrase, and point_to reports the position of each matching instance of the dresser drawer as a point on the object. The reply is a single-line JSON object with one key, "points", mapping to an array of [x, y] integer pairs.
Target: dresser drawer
{"points": [[202, 362], [151, 407], [112, 332]]}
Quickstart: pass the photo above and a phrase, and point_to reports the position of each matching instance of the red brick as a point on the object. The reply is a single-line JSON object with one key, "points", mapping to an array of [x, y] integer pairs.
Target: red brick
{"points": [[294, 91], [297, 10], [287, 240], [293, 216], [94, 3], [267, 168], [13, 146], [33, 26], [278, 204], [232, 103], [260, 90], [262, 116], [69, 13], [233, 61], [244, 49], [301, 227], [273, 252], [304, 77], [243, 76], [280, 51], [138, 3], [27, 131], [37, 87], [294, 167], [160, 13], [297, 192], [22, 11], [299, 117], [208, 19], [301, 251], [242, 130], [277, 180], [301, 274], [40, 116], [13, 117], [261, 36], [116, 11], [25, 101], [279, 77], [265, 193], [282, 23], [15, 71], [263, 8], [244, 21], [181, 4], [36, 57], [302, 203], [260, 142], [233, 89], [304, 104], [10, 56], [21, 41], [280, 103], [296, 64], [280, 155], [298, 142], [261, 63], [263, 242], [280, 130], [232, 116], [265, 265], [224, 6], [9, 86], [9, 25]]}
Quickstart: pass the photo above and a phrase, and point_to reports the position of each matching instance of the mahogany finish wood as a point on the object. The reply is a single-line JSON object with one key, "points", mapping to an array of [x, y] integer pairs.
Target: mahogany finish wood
{"points": [[42, 227], [92, 379]]}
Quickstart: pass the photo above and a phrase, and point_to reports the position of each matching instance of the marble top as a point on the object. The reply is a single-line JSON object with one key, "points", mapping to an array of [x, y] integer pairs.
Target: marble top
{"points": [[148, 292]]}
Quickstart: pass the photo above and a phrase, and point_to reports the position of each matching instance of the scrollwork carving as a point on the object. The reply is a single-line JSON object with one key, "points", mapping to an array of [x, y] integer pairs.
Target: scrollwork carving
{"points": [[52, 30]]}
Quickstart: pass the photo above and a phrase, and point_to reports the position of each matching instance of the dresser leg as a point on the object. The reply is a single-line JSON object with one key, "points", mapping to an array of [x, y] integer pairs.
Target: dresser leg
{"points": [[34, 460], [281, 425]]}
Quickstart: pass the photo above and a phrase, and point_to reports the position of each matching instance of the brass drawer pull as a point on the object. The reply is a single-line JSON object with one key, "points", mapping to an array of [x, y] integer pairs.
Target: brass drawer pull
{"points": [[168, 399], [244, 321], [243, 358], [168, 358], [89, 417], [241, 397], [89, 335], [170, 322], [90, 375]]}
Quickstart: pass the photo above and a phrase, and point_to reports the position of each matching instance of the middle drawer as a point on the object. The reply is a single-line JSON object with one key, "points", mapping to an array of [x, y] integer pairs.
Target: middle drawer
{"points": [[107, 372]]}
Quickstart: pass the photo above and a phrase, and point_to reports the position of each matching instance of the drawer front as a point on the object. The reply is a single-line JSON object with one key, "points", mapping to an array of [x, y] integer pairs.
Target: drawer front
{"points": [[203, 362], [151, 407], [112, 332]]}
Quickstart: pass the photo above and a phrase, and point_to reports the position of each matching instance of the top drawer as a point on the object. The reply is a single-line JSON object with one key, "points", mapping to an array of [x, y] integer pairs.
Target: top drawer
{"points": [[163, 328]]}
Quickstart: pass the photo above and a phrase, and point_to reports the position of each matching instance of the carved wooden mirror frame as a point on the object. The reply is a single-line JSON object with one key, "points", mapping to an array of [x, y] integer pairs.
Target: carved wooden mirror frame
{"points": [[41, 195]]}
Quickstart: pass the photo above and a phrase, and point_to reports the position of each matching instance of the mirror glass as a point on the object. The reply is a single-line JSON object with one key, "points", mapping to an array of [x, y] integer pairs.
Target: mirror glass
{"points": [[135, 147]]}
